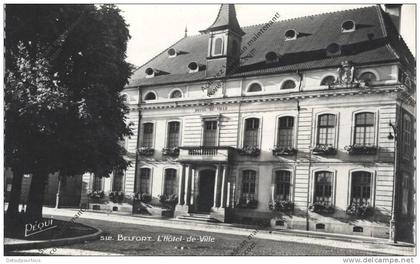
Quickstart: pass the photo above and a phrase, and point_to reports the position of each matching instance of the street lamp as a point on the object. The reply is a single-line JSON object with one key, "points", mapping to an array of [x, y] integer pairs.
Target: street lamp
{"points": [[393, 221]]}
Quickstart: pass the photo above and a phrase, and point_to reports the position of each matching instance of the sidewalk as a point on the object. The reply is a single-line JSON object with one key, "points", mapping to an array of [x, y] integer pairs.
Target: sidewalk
{"points": [[318, 238]]}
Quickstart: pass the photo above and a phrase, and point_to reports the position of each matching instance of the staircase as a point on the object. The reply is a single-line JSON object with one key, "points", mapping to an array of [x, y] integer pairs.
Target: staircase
{"points": [[204, 218]]}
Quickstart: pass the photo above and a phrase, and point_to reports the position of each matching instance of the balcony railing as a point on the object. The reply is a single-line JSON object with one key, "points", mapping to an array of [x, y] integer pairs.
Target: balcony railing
{"points": [[203, 153]]}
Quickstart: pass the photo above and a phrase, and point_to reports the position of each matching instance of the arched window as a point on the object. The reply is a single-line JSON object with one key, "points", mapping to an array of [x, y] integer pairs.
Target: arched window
{"points": [[326, 129], [97, 183], [255, 87], [367, 77], [176, 94], [361, 187], [285, 134], [218, 46], [150, 96], [170, 187], [364, 130], [249, 178], [251, 132], [143, 181], [147, 135], [117, 181], [323, 187], [282, 185], [173, 134], [289, 84], [328, 80]]}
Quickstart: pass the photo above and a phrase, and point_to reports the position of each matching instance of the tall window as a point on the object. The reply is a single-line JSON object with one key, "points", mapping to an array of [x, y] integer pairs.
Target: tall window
{"points": [[173, 134], [326, 129], [117, 182], [252, 126], [148, 135], [323, 187], [97, 183], [361, 187], [143, 182], [218, 46], [248, 184], [407, 131], [210, 133], [364, 130], [282, 182], [285, 132], [170, 182]]}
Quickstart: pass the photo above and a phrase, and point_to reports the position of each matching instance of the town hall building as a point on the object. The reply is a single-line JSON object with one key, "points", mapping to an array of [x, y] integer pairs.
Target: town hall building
{"points": [[306, 123]]}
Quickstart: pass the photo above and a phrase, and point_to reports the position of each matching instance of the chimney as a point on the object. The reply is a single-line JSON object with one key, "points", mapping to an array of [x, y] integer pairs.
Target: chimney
{"points": [[394, 11]]}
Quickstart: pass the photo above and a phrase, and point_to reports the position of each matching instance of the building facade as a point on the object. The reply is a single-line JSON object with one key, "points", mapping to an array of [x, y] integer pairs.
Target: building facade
{"points": [[307, 123]]}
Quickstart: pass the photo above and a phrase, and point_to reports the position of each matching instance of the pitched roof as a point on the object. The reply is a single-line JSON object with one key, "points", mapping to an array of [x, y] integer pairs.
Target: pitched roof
{"points": [[369, 43]]}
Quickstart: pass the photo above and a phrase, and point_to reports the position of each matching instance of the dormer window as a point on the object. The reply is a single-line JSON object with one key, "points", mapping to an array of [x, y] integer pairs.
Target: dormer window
{"points": [[290, 34], [367, 77], [254, 87], [150, 73], [289, 84], [176, 94], [172, 52], [348, 26], [195, 67], [150, 96], [328, 80], [271, 57], [218, 47]]}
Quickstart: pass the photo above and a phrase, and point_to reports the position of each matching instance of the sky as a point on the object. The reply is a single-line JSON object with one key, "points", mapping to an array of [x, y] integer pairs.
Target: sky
{"points": [[154, 28]]}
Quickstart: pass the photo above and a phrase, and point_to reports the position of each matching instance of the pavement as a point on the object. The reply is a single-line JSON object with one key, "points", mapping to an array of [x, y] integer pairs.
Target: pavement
{"points": [[381, 246]]}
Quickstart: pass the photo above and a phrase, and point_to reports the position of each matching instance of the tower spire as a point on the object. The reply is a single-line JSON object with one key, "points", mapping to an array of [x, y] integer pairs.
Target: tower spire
{"points": [[226, 19], [186, 32]]}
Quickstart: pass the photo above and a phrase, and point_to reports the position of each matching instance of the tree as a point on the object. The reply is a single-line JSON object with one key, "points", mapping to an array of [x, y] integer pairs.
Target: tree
{"points": [[85, 61]]}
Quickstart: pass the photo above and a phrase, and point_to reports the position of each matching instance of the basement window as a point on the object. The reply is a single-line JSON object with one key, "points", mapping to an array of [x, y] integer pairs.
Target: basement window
{"points": [[320, 226]]}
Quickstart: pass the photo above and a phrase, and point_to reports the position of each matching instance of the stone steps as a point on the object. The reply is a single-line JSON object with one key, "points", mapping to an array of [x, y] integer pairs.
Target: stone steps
{"points": [[198, 218]]}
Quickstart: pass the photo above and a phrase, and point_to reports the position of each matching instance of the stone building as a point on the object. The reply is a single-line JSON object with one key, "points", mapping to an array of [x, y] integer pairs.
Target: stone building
{"points": [[305, 123]]}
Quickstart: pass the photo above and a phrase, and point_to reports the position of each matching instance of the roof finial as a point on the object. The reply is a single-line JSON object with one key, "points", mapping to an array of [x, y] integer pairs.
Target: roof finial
{"points": [[186, 32]]}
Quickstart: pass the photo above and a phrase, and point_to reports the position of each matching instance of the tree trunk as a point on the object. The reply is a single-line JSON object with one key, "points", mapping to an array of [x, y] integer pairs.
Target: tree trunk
{"points": [[36, 195], [13, 208]]}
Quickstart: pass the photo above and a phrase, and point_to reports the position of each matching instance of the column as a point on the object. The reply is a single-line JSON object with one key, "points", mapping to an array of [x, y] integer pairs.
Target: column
{"points": [[193, 171], [222, 201], [216, 180], [273, 187], [180, 180], [233, 195], [228, 195], [186, 184]]}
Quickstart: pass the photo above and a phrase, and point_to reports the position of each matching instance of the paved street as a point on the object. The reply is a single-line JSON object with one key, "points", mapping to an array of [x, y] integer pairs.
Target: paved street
{"points": [[155, 240]]}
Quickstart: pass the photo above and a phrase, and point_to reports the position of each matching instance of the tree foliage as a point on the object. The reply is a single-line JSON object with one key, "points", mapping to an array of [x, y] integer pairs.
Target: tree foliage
{"points": [[65, 69]]}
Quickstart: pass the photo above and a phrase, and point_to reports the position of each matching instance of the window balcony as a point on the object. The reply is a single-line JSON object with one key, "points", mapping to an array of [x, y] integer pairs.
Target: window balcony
{"points": [[284, 151], [203, 153], [322, 149], [145, 151], [357, 149]]}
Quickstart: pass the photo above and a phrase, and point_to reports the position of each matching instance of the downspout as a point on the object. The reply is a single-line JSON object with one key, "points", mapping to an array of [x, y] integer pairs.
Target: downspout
{"points": [[301, 79], [309, 173], [137, 145]]}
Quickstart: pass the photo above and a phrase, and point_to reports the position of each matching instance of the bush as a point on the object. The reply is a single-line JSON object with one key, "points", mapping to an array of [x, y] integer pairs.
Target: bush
{"points": [[281, 206], [320, 207], [360, 210], [116, 197], [247, 203]]}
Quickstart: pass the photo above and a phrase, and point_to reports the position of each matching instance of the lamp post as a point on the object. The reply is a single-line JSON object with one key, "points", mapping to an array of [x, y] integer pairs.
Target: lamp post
{"points": [[393, 221]]}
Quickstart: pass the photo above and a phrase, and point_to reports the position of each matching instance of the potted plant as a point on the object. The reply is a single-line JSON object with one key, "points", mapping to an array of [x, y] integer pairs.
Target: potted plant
{"points": [[324, 149], [281, 206], [284, 151], [169, 200], [321, 208], [358, 149], [247, 203], [360, 209], [145, 151], [96, 196], [249, 151], [173, 152], [116, 196]]}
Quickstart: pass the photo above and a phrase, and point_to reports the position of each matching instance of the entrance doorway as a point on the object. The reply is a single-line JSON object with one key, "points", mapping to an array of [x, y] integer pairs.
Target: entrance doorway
{"points": [[206, 191]]}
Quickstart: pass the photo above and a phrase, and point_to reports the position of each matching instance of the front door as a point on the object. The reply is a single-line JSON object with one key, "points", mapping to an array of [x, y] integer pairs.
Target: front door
{"points": [[206, 191]]}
